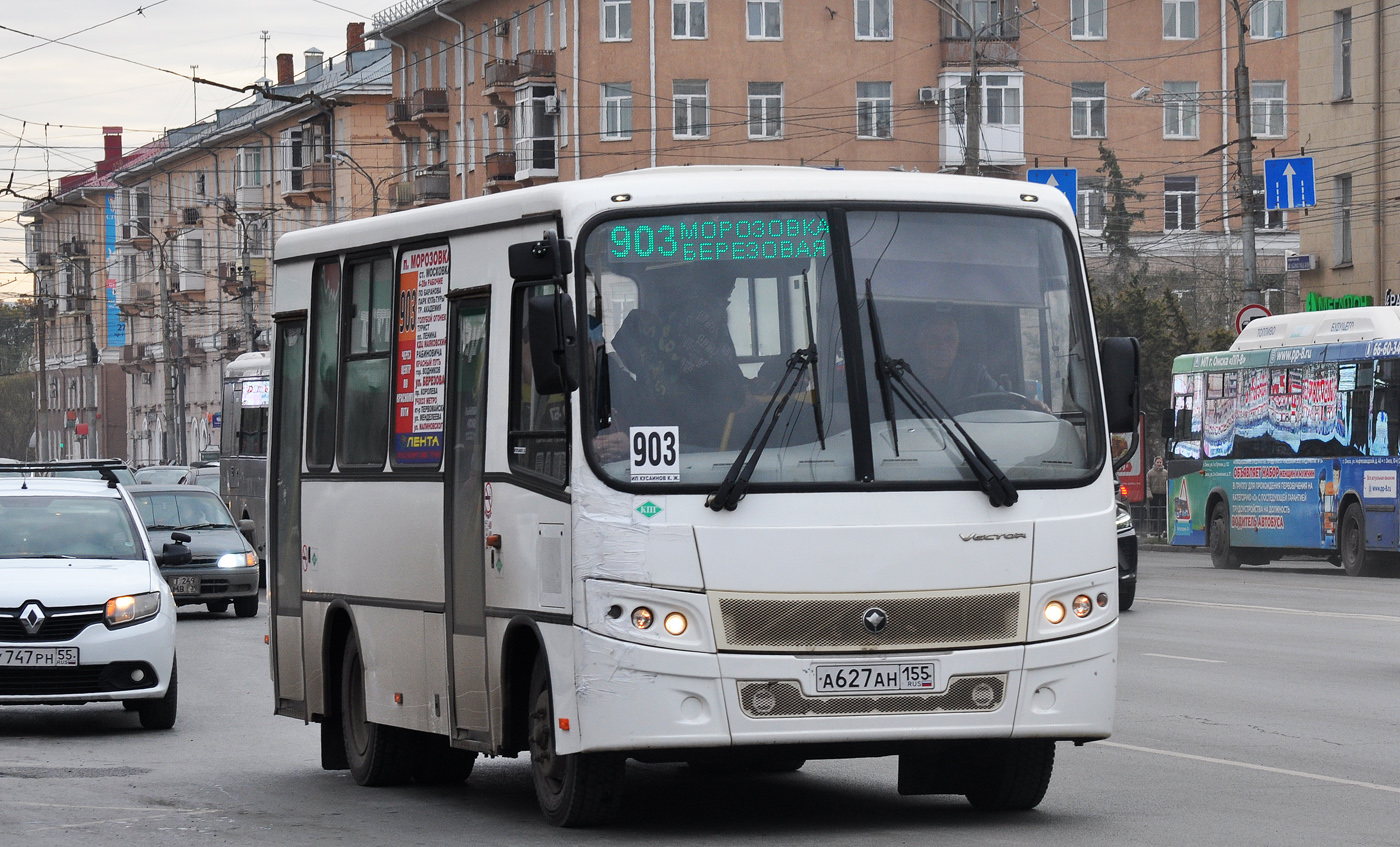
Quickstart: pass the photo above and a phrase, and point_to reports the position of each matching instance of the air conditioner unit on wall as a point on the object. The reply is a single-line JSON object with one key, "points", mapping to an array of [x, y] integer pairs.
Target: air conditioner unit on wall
{"points": [[928, 95], [551, 105]]}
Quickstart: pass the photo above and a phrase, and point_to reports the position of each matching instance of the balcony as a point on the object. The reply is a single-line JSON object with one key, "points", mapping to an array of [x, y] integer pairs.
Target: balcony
{"points": [[134, 298], [430, 109], [431, 186], [958, 53], [499, 82], [135, 360], [41, 261], [231, 275], [311, 184], [500, 171], [73, 249], [535, 66], [399, 115], [402, 195]]}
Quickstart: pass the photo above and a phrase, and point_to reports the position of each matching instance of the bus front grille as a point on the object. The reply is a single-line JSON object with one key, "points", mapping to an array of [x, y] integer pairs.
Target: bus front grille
{"points": [[785, 699], [815, 623]]}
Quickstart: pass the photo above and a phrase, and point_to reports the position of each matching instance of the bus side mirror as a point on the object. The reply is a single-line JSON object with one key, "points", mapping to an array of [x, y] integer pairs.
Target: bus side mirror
{"points": [[1168, 424], [552, 341], [1119, 362], [546, 260]]}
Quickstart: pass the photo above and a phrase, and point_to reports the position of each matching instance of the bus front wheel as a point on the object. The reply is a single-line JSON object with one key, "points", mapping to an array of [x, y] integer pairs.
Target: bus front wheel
{"points": [[579, 789], [1222, 554], [1011, 775], [1351, 543], [378, 754]]}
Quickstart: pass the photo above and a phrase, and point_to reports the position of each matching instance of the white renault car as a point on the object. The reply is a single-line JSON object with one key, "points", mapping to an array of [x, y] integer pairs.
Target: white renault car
{"points": [[85, 615]]}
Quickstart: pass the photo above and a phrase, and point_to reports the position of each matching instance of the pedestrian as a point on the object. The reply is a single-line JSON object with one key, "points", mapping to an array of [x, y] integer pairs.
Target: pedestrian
{"points": [[1157, 498]]}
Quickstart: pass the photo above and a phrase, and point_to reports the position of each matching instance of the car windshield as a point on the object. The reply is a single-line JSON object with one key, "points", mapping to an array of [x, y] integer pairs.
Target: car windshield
{"points": [[161, 475], [38, 527], [697, 320], [195, 509]]}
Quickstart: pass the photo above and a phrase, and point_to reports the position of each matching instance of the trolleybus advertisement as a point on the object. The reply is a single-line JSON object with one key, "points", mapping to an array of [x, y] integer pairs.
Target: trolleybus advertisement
{"points": [[421, 365]]}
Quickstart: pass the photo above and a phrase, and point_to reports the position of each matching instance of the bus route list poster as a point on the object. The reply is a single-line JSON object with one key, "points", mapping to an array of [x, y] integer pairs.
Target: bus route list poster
{"points": [[421, 369]]}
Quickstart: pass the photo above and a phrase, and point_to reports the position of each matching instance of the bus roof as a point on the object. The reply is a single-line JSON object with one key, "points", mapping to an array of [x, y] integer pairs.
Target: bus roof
{"points": [[249, 364], [668, 186], [1337, 335]]}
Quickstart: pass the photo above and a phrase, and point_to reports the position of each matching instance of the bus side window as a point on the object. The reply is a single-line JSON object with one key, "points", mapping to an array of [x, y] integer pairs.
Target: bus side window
{"points": [[325, 365], [539, 424], [1385, 402], [369, 330]]}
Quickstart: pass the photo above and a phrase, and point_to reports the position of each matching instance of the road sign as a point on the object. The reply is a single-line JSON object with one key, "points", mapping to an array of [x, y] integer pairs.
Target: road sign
{"points": [[1065, 179], [1289, 183], [1249, 313]]}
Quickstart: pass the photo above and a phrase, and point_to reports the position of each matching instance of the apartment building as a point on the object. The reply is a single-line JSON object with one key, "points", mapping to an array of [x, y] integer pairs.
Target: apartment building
{"points": [[1349, 56], [185, 228], [495, 94]]}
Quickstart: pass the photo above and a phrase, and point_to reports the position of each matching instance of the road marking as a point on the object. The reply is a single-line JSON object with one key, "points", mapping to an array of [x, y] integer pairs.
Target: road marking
{"points": [[1278, 610], [1185, 658], [1253, 767]]}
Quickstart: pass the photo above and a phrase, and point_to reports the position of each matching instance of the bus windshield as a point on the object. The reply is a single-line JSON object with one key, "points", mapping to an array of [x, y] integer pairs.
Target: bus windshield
{"points": [[697, 320]]}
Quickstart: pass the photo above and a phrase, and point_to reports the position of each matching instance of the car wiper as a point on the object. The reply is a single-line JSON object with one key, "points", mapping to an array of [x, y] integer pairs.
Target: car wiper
{"points": [[736, 482], [207, 525], [162, 526], [999, 489]]}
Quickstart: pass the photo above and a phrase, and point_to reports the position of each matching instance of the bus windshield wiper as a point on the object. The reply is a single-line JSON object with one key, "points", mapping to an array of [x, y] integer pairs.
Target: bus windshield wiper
{"points": [[736, 482], [999, 489]]}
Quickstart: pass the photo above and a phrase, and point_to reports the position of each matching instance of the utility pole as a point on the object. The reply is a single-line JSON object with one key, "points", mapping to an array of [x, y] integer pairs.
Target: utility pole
{"points": [[972, 149], [1245, 127], [169, 448], [245, 288], [41, 425], [194, 72]]}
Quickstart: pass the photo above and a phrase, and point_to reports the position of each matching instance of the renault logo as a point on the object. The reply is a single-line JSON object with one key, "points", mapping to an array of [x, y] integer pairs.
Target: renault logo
{"points": [[875, 619], [32, 617]]}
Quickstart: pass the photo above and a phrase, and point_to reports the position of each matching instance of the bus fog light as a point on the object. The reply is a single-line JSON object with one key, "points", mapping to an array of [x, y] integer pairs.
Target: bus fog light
{"points": [[675, 623], [641, 617], [1083, 606], [1102, 599], [1054, 611]]}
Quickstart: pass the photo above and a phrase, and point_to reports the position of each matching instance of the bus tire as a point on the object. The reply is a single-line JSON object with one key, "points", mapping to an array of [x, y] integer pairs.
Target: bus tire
{"points": [[1222, 554], [439, 763], [1011, 775], [580, 789], [1351, 543], [378, 754]]}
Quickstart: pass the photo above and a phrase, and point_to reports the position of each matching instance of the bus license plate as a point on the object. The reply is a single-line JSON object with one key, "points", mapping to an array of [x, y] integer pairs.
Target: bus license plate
{"points": [[184, 584], [891, 677], [38, 657]]}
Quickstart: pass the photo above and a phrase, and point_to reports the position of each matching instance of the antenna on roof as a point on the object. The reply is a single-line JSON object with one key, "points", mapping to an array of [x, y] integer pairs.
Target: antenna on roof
{"points": [[264, 38]]}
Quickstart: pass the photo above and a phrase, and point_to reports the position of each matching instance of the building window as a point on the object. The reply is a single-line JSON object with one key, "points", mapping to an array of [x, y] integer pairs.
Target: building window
{"points": [[249, 170], [991, 18], [1181, 110], [1180, 192], [1002, 100], [1266, 19], [1341, 55], [1088, 105], [1341, 237], [688, 18], [199, 184], [1179, 19], [616, 20], [617, 111], [1088, 19], [874, 109], [765, 20], [537, 125], [1090, 207], [691, 99], [874, 20], [1265, 218], [765, 110], [1266, 108]]}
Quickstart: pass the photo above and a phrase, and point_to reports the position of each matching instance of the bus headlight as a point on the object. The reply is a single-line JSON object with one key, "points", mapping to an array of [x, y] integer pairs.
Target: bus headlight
{"points": [[675, 623], [132, 608], [1054, 611], [641, 617], [1083, 606]]}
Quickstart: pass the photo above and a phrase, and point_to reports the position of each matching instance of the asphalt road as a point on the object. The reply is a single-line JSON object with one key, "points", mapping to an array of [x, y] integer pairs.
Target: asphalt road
{"points": [[1256, 707]]}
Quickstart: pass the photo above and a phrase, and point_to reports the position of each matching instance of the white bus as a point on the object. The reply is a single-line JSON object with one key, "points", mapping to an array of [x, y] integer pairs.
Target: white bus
{"points": [[735, 467], [243, 442]]}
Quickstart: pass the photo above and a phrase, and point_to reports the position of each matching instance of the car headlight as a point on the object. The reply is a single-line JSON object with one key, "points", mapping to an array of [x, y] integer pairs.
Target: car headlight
{"points": [[1125, 520], [132, 608], [239, 560]]}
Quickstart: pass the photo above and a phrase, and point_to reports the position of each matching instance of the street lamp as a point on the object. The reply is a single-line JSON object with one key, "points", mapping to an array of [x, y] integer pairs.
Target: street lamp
{"points": [[342, 156], [40, 440]]}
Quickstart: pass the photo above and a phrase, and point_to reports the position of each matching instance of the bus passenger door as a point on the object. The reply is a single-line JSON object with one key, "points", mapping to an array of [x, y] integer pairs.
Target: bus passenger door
{"points": [[284, 521], [465, 542]]}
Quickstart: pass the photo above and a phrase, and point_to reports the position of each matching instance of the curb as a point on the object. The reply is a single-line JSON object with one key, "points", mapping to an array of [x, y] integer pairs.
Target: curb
{"points": [[1144, 547]]}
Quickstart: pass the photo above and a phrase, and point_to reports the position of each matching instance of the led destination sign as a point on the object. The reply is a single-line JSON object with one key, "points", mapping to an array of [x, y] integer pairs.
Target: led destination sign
{"points": [[721, 237]]}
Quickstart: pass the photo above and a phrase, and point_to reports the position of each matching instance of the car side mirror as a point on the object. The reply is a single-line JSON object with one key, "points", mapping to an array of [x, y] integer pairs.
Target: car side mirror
{"points": [[1119, 362], [247, 527], [174, 552]]}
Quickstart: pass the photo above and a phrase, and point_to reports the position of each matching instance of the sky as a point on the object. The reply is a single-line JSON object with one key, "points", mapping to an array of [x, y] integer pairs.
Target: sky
{"points": [[57, 92]]}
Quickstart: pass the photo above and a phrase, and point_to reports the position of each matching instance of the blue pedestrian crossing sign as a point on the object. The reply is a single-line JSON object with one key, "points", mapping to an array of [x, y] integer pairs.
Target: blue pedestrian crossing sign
{"points": [[1289, 184], [1065, 179]]}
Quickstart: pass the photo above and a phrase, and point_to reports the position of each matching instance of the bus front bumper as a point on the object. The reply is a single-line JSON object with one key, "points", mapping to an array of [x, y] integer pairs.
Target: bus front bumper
{"points": [[634, 697]]}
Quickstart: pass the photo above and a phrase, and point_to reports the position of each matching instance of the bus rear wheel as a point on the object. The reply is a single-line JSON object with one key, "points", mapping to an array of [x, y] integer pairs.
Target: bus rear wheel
{"points": [[378, 754], [1011, 775], [1222, 554], [579, 789], [1351, 543]]}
